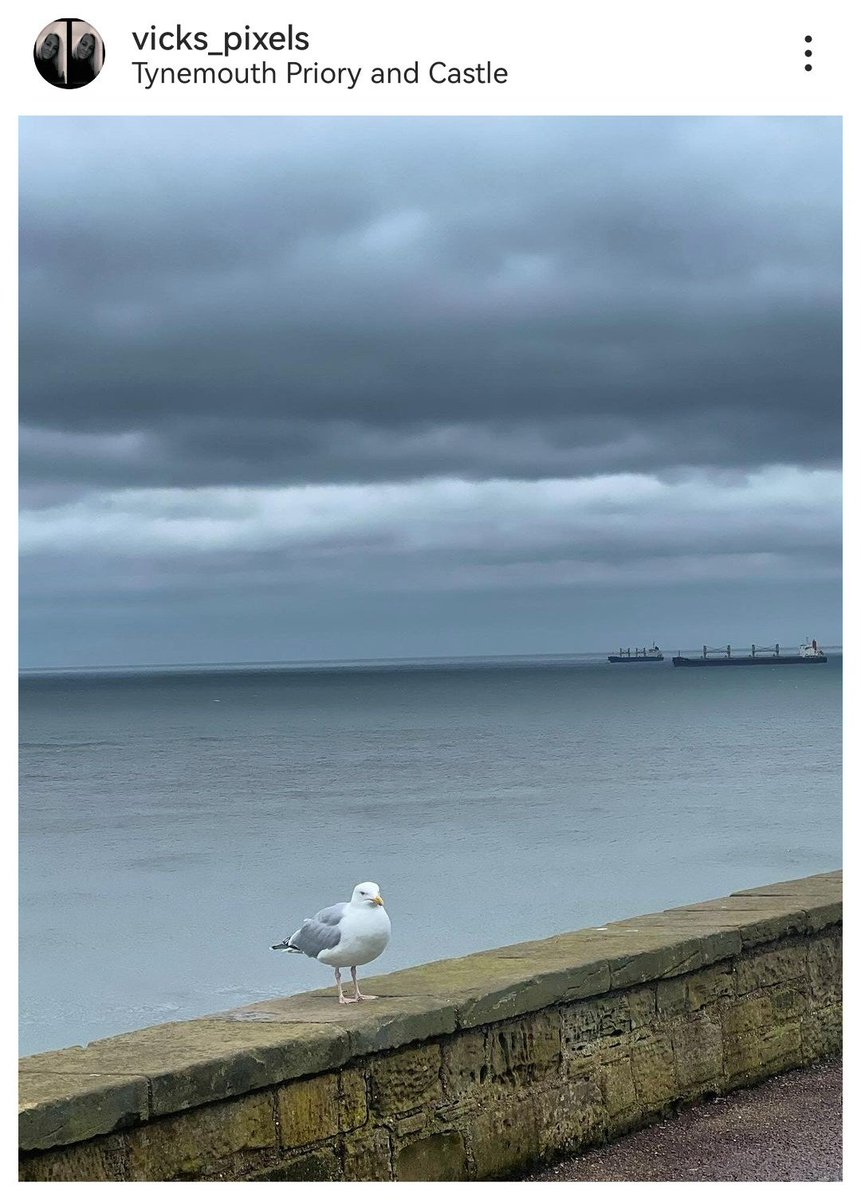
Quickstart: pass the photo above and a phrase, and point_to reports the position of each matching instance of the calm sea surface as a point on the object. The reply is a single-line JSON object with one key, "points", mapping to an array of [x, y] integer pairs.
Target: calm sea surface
{"points": [[176, 823]]}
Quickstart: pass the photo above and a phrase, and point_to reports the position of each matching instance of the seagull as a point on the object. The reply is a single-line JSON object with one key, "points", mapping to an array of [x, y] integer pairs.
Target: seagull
{"points": [[348, 934]]}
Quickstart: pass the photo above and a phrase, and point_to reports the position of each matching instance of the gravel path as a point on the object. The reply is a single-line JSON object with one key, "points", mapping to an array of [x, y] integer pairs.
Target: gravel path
{"points": [[785, 1130]]}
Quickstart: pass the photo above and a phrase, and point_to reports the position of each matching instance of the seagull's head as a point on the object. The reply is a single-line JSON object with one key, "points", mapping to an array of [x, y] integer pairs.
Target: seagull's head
{"points": [[366, 893]]}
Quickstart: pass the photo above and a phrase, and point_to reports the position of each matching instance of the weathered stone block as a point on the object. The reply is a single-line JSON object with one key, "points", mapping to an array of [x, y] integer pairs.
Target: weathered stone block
{"points": [[440, 1157], [353, 1099], [525, 1049], [321, 1165], [710, 985], [788, 1003], [459, 1112], [495, 985], [746, 1013], [772, 926], [309, 1110], [58, 1109], [755, 1053], [414, 1123], [367, 1155], [503, 1138], [570, 1115], [464, 1063], [822, 1033], [616, 1080], [652, 957], [224, 1137], [658, 946], [533, 987], [603, 1021], [653, 1069], [642, 1005], [825, 968], [394, 1019], [407, 1079], [103, 1159], [758, 918], [197, 1062], [825, 914], [671, 995], [826, 886], [698, 1050], [764, 968]]}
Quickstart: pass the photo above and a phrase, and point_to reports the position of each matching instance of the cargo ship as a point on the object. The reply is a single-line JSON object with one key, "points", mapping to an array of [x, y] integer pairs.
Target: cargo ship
{"points": [[760, 656], [650, 654]]}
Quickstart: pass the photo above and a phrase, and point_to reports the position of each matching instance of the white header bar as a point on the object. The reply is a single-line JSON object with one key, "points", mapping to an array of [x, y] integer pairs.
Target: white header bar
{"points": [[451, 57]]}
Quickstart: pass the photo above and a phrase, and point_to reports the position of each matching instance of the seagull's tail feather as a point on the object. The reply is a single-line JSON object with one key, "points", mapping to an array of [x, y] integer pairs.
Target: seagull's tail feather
{"points": [[285, 945]]}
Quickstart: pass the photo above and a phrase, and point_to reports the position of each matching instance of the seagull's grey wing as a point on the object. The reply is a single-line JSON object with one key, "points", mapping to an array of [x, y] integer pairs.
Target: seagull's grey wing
{"points": [[319, 933], [331, 915]]}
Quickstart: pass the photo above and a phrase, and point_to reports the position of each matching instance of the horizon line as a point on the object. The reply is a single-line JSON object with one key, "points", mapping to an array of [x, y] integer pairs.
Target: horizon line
{"points": [[344, 662]]}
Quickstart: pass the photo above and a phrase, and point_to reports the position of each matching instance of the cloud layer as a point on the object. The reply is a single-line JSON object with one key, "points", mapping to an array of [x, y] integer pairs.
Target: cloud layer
{"points": [[450, 353]]}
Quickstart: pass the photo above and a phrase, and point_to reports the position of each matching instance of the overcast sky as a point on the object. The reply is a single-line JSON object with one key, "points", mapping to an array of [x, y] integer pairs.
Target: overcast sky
{"points": [[356, 388]]}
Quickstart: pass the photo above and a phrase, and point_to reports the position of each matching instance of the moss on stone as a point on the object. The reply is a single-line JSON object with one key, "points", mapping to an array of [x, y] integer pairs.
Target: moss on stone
{"points": [[100, 1160], [440, 1157], [755, 1054], [215, 1139], [309, 1110]]}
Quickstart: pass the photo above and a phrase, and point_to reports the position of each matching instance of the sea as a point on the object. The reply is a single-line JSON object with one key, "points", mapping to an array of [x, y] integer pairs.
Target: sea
{"points": [[174, 823]]}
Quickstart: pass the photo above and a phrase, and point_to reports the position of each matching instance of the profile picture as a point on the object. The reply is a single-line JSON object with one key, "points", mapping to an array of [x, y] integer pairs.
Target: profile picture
{"points": [[69, 53]]}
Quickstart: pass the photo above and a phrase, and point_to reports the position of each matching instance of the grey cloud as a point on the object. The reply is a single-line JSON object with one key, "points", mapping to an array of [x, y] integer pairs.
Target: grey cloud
{"points": [[428, 530], [283, 283], [224, 319]]}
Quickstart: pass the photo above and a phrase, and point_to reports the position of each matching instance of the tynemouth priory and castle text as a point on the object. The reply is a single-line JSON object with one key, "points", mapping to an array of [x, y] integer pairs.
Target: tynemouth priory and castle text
{"points": [[234, 46]]}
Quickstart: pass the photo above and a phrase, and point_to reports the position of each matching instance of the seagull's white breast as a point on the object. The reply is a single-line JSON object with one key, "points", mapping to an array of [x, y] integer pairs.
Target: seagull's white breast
{"points": [[365, 932]]}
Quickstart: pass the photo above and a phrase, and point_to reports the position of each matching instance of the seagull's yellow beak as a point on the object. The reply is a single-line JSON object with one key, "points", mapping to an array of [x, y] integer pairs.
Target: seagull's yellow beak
{"points": [[378, 899]]}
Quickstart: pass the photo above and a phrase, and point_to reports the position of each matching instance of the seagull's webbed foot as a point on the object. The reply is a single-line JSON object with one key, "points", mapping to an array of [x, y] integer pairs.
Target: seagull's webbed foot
{"points": [[342, 999]]}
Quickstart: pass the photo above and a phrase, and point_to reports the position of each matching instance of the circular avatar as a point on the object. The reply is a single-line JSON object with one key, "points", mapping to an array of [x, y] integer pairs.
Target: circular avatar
{"points": [[69, 53]]}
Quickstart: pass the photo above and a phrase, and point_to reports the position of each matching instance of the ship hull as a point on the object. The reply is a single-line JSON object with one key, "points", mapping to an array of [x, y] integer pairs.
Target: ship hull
{"points": [[760, 660], [638, 658]]}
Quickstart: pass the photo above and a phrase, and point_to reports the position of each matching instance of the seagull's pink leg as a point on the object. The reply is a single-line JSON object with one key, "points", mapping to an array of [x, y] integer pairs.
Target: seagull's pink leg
{"points": [[359, 995], [342, 999]]}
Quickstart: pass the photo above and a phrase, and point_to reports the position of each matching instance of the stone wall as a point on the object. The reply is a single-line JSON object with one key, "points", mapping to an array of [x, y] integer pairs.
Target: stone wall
{"points": [[463, 1069]]}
